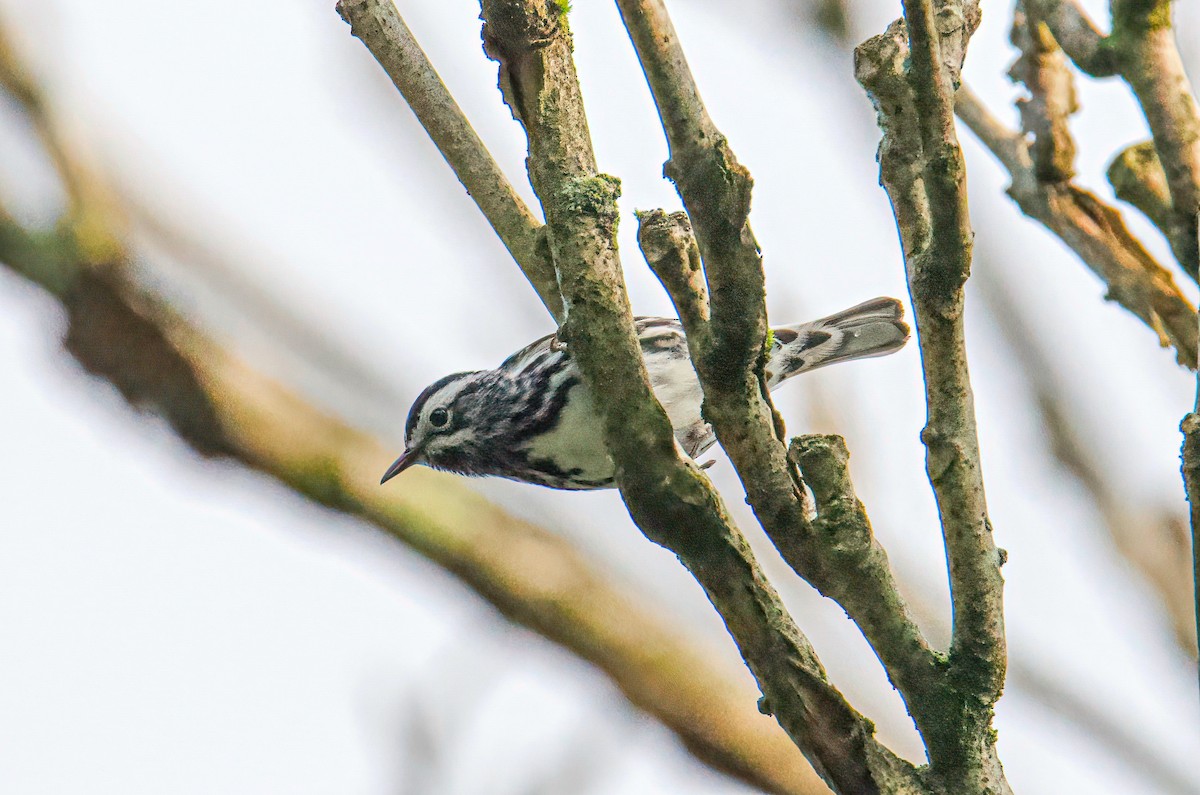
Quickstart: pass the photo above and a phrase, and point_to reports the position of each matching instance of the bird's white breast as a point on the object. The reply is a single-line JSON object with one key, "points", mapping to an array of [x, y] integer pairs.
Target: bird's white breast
{"points": [[577, 440]]}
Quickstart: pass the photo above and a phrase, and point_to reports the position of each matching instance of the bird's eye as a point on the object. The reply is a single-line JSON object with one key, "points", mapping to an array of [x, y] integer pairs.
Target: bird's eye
{"points": [[439, 417]]}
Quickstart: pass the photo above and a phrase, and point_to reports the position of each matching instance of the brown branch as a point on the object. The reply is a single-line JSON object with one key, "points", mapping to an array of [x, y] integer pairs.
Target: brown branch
{"points": [[1092, 229], [380, 27], [1137, 178], [910, 72], [1142, 50], [669, 498]]}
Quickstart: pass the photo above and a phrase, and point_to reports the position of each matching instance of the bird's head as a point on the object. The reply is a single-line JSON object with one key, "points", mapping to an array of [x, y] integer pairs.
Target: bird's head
{"points": [[439, 430]]}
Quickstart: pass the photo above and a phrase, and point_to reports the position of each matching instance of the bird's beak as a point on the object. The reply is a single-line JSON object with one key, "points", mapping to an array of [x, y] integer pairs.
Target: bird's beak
{"points": [[402, 463]]}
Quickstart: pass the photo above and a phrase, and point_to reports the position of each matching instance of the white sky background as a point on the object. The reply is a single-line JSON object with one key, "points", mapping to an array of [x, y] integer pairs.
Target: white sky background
{"points": [[170, 625]]}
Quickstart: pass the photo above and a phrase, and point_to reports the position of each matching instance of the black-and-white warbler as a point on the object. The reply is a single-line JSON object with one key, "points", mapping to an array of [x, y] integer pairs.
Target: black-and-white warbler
{"points": [[531, 419]]}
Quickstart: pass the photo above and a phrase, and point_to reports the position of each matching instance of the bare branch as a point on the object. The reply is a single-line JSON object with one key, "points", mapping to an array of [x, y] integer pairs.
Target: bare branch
{"points": [[1079, 37], [729, 352], [380, 27], [1051, 100], [1095, 231], [715, 190], [910, 74], [837, 554], [1142, 50], [669, 498]]}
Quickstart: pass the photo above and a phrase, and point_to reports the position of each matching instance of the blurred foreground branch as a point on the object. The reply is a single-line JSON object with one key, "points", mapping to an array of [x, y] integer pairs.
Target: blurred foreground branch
{"points": [[222, 407], [121, 332]]}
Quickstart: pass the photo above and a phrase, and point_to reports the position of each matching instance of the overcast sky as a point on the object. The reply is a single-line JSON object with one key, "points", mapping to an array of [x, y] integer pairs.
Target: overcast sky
{"points": [[174, 625]]}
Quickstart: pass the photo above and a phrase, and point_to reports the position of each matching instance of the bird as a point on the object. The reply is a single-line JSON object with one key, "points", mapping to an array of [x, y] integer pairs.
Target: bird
{"points": [[532, 420]]}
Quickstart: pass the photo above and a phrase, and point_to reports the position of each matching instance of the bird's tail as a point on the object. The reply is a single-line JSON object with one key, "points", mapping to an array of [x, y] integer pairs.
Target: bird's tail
{"points": [[873, 328]]}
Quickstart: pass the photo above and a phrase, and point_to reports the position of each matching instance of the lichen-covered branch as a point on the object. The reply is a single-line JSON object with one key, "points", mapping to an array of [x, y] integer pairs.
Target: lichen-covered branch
{"points": [[669, 498], [910, 72], [1141, 49], [1095, 231], [843, 561], [381, 28], [729, 353], [715, 191], [1190, 455]]}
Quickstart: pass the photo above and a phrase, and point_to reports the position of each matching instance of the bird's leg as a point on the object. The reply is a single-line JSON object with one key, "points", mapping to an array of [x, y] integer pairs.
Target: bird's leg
{"points": [[559, 341]]}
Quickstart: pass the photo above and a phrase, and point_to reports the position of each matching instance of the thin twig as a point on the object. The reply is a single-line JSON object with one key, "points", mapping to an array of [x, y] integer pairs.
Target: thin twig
{"points": [[380, 27]]}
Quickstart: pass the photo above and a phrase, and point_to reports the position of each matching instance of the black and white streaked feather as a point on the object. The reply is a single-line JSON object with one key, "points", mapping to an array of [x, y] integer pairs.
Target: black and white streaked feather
{"points": [[531, 419]]}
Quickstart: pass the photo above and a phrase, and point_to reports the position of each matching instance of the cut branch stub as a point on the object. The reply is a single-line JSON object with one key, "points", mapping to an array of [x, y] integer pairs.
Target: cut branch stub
{"points": [[715, 190], [671, 252]]}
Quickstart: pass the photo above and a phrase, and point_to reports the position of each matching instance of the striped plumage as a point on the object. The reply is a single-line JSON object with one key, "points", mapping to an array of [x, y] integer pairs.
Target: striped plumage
{"points": [[531, 419]]}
